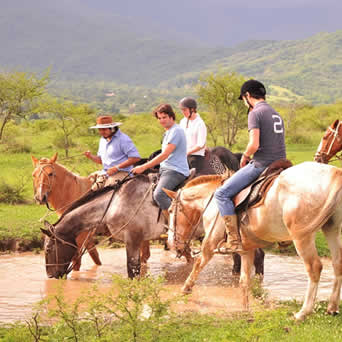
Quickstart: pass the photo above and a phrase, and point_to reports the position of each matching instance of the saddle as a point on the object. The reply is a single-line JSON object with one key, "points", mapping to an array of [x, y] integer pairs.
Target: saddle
{"points": [[254, 195]]}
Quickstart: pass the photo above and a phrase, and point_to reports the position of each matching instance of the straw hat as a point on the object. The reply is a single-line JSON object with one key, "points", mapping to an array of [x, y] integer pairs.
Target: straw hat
{"points": [[105, 122]]}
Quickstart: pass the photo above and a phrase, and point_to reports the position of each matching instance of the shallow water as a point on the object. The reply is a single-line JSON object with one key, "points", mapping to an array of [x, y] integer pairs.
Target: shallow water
{"points": [[23, 280]]}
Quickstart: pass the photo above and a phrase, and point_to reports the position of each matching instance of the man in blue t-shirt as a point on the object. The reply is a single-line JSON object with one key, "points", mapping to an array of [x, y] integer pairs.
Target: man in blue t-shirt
{"points": [[266, 144], [117, 152], [173, 162]]}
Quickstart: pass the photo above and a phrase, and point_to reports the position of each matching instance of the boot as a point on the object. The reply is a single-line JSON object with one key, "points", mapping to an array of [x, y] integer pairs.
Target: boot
{"points": [[233, 243], [166, 217]]}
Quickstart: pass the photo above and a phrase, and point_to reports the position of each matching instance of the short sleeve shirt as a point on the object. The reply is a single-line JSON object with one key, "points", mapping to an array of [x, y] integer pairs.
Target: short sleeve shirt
{"points": [[177, 160], [272, 134], [117, 150], [196, 134]]}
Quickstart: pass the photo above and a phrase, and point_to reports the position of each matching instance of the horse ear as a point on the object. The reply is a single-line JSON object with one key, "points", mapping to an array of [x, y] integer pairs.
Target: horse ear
{"points": [[54, 158], [35, 161], [46, 232], [48, 225], [170, 193]]}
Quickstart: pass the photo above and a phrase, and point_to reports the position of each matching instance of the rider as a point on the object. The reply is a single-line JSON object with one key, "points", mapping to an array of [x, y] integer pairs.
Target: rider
{"points": [[117, 152], [195, 131], [174, 168], [266, 144]]}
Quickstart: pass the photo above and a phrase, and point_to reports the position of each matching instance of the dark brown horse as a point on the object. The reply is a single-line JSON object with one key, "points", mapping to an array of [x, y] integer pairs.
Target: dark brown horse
{"points": [[127, 212]]}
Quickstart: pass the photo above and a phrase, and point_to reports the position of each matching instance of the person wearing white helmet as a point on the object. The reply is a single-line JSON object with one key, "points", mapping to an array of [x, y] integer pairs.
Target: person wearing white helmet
{"points": [[266, 144], [195, 132]]}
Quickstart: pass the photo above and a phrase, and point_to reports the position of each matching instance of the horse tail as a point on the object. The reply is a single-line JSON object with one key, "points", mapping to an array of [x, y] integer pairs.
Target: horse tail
{"points": [[333, 200]]}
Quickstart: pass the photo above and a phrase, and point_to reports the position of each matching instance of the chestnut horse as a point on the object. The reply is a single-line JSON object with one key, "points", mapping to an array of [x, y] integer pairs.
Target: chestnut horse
{"points": [[304, 199], [58, 187], [330, 144]]}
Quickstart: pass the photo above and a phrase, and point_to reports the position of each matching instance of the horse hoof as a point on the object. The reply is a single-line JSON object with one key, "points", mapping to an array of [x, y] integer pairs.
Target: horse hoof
{"points": [[186, 290], [333, 313], [299, 317]]}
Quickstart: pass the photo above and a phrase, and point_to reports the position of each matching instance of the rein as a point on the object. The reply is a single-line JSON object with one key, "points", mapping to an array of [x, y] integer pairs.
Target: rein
{"points": [[193, 227]]}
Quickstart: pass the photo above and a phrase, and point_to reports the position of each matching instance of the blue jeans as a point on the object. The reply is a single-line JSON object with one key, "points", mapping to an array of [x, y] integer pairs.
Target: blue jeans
{"points": [[169, 179], [233, 185]]}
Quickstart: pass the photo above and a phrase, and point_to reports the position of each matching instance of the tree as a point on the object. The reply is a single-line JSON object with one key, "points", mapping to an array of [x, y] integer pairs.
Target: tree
{"points": [[69, 117], [227, 114], [18, 92]]}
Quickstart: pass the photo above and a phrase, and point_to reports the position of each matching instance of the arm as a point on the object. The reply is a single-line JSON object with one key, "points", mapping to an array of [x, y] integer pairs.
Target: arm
{"points": [[156, 160], [130, 161], [252, 146], [92, 157]]}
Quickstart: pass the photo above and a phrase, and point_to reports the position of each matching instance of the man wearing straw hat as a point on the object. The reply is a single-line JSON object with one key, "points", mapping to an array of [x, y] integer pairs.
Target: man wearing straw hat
{"points": [[117, 152]]}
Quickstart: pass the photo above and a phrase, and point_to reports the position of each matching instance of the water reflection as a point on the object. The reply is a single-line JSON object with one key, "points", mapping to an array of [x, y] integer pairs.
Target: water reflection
{"points": [[23, 281]]}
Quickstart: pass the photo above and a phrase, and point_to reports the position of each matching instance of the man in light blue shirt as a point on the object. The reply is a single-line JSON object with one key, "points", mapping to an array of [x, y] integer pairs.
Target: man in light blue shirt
{"points": [[117, 152], [174, 168]]}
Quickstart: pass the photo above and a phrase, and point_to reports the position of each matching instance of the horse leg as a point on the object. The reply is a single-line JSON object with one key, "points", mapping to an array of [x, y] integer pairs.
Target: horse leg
{"points": [[333, 236], [306, 249], [207, 252], [81, 241], [258, 262], [145, 252], [247, 263], [236, 264], [133, 246], [259, 259]]}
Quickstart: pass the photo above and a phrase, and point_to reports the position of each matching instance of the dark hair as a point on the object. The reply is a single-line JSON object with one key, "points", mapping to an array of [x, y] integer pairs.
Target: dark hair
{"points": [[255, 89], [166, 109]]}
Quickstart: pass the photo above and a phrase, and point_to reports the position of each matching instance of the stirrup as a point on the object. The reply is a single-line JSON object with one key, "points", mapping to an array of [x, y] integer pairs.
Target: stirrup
{"points": [[224, 250]]}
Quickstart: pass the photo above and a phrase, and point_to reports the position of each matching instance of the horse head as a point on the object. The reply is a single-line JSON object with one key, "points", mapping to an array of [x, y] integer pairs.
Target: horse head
{"points": [[330, 144], [59, 252], [43, 175]]}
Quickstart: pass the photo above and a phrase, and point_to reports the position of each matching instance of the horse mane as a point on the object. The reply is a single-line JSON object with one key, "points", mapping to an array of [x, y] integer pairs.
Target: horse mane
{"points": [[91, 195], [46, 161], [204, 179]]}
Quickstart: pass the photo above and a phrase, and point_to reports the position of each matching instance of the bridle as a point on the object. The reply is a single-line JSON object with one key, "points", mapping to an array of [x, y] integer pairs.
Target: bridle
{"points": [[325, 156], [179, 206], [57, 238], [49, 184]]}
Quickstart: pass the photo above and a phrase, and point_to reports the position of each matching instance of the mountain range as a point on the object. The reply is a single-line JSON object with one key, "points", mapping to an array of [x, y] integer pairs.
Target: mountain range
{"points": [[141, 44]]}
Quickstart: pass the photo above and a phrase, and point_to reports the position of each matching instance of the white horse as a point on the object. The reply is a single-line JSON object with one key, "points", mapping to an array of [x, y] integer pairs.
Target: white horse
{"points": [[302, 200]]}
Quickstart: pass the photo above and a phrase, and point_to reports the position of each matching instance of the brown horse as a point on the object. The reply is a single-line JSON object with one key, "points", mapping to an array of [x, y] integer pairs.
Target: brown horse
{"points": [[330, 144], [56, 186], [304, 199]]}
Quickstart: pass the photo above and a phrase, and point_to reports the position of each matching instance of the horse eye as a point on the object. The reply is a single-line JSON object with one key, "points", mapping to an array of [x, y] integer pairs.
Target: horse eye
{"points": [[50, 174]]}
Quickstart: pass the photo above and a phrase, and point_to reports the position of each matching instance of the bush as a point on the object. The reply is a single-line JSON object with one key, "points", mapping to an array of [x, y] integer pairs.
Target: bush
{"points": [[11, 194], [59, 142], [16, 146]]}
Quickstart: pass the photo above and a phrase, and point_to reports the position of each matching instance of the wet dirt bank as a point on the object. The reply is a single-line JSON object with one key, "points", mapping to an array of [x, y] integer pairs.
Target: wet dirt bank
{"points": [[23, 280]]}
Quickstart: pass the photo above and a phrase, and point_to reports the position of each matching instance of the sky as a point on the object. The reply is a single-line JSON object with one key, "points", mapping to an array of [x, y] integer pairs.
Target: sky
{"points": [[228, 22]]}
